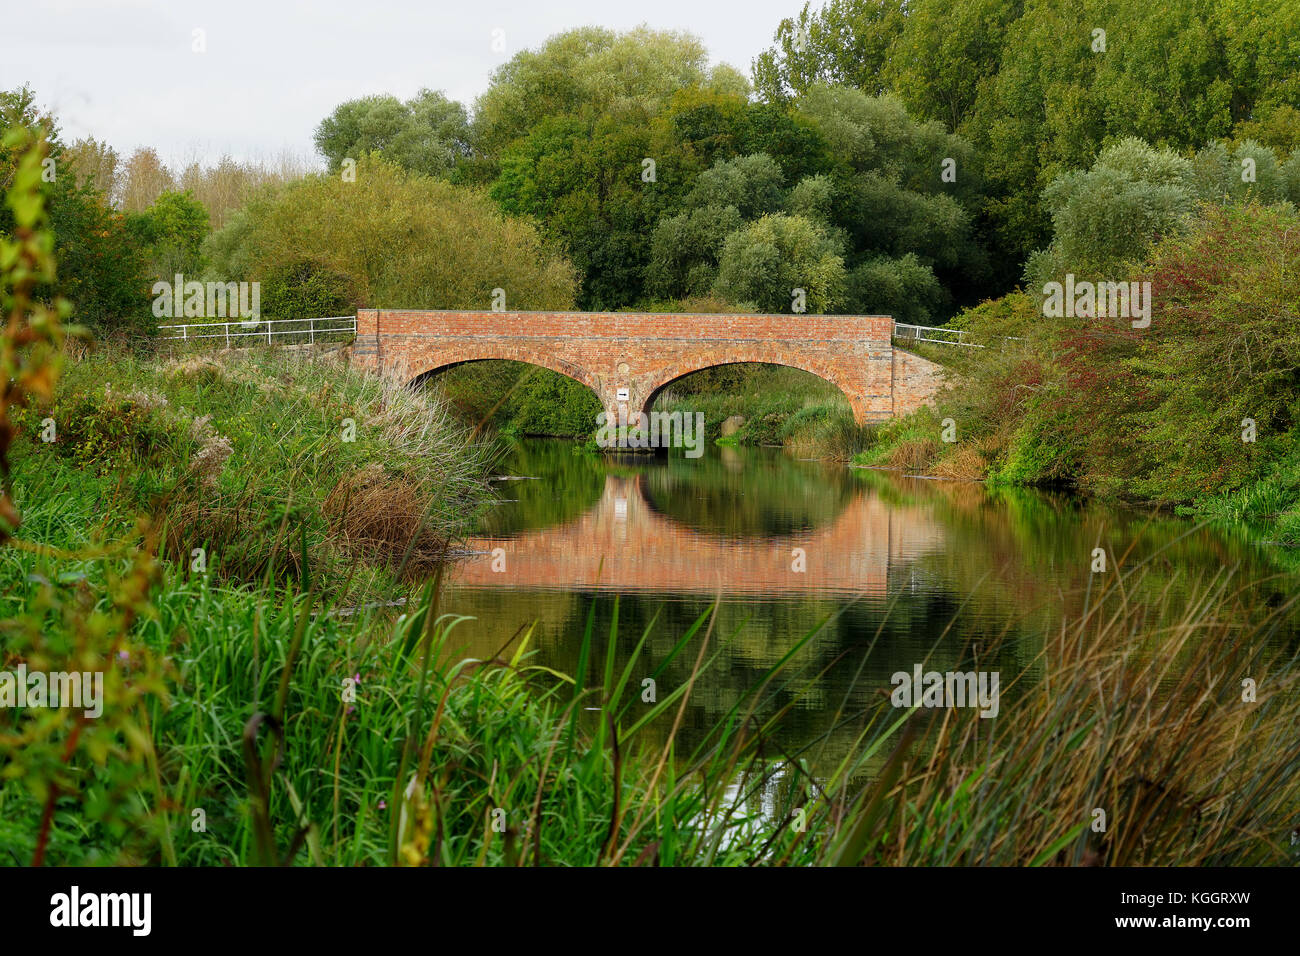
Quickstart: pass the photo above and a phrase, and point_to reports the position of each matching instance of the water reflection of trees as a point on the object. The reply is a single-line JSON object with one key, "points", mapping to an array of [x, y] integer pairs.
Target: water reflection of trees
{"points": [[1012, 563], [1029, 553], [716, 494], [570, 482]]}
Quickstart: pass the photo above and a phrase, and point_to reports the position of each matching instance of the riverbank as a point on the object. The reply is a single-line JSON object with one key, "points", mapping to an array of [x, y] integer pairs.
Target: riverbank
{"points": [[254, 466], [1195, 411], [247, 721]]}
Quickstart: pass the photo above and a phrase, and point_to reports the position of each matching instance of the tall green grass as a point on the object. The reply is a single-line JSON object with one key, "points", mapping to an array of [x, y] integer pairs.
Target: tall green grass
{"points": [[448, 760], [259, 717], [244, 456]]}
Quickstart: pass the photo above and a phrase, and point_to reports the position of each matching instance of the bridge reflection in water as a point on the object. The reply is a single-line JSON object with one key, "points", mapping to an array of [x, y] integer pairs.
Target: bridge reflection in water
{"points": [[898, 571], [626, 544]]}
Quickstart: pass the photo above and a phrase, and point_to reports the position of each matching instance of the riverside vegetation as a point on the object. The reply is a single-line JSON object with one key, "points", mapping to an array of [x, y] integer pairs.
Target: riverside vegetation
{"points": [[202, 530], [249, 719], [1197, 412]]}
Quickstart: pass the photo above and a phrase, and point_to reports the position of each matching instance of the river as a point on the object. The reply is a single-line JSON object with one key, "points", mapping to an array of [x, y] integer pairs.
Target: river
{"points": [[888, 570]]}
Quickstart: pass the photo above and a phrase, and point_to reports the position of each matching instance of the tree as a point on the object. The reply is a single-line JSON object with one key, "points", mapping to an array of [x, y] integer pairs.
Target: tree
{"points": [[1222, 348], [846, 43], [945, 52], [95, 164], [685, 249], [144, 179], [225, 187], [427, 134], [904, 287], [766, 262], [1277, 128], [584, 179], [101, 267], [750, 184], [900, 186], [1104, 219], [391, 239], [1063, 92], [593, 70], [173, 230]]}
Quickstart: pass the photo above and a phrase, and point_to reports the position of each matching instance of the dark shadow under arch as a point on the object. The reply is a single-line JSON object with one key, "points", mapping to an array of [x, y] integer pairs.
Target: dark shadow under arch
{"points": [[679, 375], [575, 374]]}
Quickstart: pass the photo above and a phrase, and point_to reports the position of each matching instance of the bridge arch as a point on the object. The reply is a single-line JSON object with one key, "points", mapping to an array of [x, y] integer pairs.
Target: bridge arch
{"points": [[551, 363], [676, 373]]}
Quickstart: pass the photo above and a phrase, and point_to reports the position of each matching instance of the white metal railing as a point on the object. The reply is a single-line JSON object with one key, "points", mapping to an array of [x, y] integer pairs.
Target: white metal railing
{"points": [[930, 333], [262, 329]]}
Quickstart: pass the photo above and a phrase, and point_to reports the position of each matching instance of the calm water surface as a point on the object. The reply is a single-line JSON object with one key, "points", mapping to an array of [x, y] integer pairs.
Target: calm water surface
{"points": [[896, 570]]}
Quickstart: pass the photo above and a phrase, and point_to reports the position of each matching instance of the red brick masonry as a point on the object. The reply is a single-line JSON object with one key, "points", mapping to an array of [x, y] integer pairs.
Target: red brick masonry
{"points": [[642, 352]]}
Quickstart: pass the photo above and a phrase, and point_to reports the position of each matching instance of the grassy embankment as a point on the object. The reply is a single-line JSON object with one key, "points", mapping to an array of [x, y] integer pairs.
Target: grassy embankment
{"points": [[246, 723]]}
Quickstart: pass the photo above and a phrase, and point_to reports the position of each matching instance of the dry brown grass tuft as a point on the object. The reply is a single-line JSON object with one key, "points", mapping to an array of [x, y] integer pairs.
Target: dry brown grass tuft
{"points": [[383, 518], [914, 455], [963, 463]]}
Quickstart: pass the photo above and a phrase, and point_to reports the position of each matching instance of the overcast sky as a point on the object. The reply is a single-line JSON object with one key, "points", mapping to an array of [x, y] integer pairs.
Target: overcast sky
{"points": [[125, 71]]}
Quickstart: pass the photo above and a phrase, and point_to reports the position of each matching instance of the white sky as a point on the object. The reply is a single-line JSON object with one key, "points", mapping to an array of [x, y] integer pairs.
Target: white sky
{"points": [[124, 70]]}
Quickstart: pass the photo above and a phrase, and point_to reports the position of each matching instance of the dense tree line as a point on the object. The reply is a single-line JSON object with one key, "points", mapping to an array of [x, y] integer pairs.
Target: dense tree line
{"points": [[909, 158]]}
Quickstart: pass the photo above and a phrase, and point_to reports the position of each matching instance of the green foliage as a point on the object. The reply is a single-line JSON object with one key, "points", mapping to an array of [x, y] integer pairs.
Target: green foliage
{"points": [[581, 178], [172, 230], [946, 53], [1200, 409], [591, 71], [546, 403], [102, 266], [1105, 219], [752, 185], [427, 134], [577, 159], [1053, 100], [765, 261], [306, 290], [88, 765], [890, 195], [904, 288], [685, 249], [847, 43], [519, 399], [392, 238], [1222, 348], [1277, 128]]}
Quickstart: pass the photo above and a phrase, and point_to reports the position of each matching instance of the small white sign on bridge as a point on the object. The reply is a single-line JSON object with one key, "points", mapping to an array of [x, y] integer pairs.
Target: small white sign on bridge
{"points": [[623, 395]]}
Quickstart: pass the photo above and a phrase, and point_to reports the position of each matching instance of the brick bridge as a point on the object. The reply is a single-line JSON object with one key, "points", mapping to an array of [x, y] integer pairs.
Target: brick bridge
{"points": [[627, 358]]}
